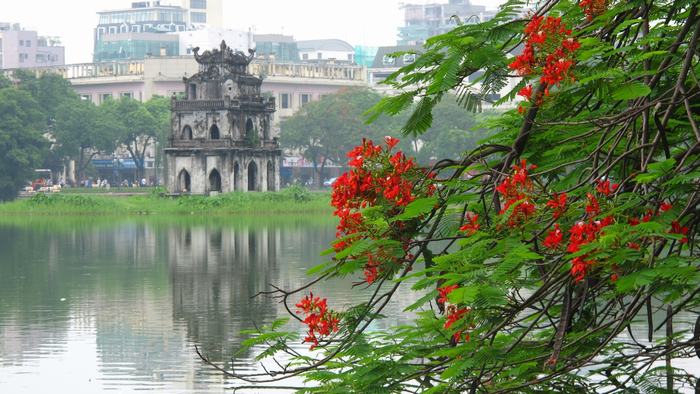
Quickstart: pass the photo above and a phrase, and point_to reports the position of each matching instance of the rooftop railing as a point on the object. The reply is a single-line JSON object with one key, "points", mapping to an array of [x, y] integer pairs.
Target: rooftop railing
{"points": [[267, 69]]}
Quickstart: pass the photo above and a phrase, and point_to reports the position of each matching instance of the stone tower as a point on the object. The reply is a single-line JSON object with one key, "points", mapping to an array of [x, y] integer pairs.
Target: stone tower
{"points": [[220, 137]]}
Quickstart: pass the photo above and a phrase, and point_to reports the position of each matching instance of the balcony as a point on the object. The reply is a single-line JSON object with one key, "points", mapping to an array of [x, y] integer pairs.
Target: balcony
{"points": [[213, 105], [224, 143]]}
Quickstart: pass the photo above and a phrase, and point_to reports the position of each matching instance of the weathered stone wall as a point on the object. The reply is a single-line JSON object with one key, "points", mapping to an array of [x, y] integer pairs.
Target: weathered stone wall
{"points": [[244, 170]]}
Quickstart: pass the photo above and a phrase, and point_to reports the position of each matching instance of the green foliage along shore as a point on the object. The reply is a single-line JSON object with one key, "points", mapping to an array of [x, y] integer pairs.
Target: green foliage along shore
{"points": [[289, 201]]}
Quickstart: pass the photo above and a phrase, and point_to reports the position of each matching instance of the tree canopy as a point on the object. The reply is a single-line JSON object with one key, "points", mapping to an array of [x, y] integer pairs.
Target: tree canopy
{"points": [[22, 145], [532, 254], [327, 129]]}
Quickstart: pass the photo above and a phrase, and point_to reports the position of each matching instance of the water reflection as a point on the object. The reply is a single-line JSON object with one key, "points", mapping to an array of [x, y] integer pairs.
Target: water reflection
{"points": [[94, 305], [121, 305]]}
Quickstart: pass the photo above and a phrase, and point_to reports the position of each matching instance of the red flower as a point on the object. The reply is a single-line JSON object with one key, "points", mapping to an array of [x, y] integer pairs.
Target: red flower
{"points": [[604, 187], [614, 277], [454, 314], [445, 291], [592, 208], [549, 47], [391, 142], [554, 238], [558, 204], [676, 228], [526, 92], [472, 226], [320, 320], [579, 267], [665, 206]]}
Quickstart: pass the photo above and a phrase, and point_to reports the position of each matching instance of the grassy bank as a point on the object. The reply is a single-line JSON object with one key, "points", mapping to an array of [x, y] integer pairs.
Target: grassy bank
{"points": [[288, 201]]}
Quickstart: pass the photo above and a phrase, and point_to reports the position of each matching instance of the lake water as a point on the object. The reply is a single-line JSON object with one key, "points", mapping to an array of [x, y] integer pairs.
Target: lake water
{"points": [[105, 304]]}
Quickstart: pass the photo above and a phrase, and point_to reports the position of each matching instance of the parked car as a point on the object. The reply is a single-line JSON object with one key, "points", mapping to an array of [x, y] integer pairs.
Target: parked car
{"points": [[329, 182]]}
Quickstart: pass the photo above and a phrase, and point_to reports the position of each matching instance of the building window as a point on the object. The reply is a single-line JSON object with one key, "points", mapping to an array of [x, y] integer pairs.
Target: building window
{"points": [[28, 43], [350, 56], [112, 30], [304, 98], [21, 43], [135, 28], [123, 28], [198, 17], [319, 56], [388, 60], [126, 95], [305, 56], [104, 97], [285, 100], [198, 4], [86, 97], [409, 58]]}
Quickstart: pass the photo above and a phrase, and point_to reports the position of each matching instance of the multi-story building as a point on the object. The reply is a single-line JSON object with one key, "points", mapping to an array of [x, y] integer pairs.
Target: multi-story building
{"points": [[422, 21], [326, 51], [385, 64], [277, 47], [209, 12], [26, 49], [139, 32]]}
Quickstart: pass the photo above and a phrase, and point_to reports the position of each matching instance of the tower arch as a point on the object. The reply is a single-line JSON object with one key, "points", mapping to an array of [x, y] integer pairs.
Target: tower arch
{"points": [[214, 181], [252, 176]]}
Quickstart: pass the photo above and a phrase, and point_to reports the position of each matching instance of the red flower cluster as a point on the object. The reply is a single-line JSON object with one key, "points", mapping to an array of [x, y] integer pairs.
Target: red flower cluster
{"points": [[320, 320], [593, 8], [472, 224], [605, 188], [583, 233], [444, 292], [514, 190], [558, 204], [377, 177], [554, 237], [454, 313], [676, 228], [374, 174], [549, 49]]}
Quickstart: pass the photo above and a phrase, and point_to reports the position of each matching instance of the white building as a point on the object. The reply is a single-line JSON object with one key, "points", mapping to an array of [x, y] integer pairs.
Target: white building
{"points": [[26, 49], [326, 51], [209, 12]]}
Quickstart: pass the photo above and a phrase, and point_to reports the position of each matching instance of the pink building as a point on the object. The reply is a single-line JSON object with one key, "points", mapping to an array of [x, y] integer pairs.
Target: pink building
{"points": [[26, 49]]}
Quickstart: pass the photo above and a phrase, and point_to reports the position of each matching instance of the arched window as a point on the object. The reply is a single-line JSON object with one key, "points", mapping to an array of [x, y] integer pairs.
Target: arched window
{"points": [[252, 177], [187, 133], [183, 182], [214, 181], [270, 176], [214, 132]]}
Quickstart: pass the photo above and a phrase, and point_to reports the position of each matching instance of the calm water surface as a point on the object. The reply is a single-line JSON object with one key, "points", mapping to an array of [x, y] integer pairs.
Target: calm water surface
{"points": [[95, 305], [116, 305]]}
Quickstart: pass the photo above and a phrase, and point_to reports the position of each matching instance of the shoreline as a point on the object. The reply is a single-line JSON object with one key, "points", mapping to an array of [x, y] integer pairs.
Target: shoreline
{"points": [[287, 202]]}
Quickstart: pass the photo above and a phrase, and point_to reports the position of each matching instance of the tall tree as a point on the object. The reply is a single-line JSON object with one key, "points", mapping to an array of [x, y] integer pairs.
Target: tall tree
{"points": [[136, 128], [325, 130], [22, 144], [159, 108], [83, 131], [580, 217]]}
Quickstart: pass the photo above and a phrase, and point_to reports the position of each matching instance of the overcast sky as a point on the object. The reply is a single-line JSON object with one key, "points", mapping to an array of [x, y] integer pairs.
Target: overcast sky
{"points": [[360, 22]]}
